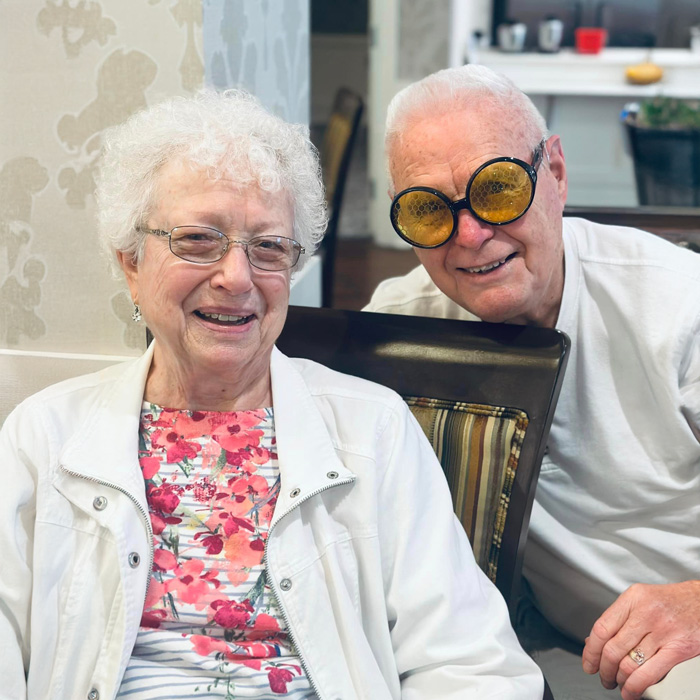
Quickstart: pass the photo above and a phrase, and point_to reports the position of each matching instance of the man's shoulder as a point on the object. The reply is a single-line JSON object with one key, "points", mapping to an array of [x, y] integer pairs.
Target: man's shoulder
{"points": [[628, 247], [415, 294]]}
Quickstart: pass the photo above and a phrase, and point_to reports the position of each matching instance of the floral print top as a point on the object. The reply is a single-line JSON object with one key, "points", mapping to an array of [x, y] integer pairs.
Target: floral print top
{"points": [[210, 626]]}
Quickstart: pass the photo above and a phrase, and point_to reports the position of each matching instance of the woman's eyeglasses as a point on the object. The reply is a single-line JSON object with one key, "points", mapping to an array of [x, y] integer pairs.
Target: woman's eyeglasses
{"points": [[202, 245], [499, 192]]}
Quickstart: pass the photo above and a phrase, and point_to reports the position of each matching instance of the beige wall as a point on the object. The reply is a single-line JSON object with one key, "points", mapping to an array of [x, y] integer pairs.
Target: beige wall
{"points": [[69, 69]]}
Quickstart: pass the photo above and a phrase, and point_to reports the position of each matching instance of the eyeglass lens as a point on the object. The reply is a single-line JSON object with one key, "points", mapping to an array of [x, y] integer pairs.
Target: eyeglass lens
{"points": [[423, 218], [203, 245], [500, 192]]}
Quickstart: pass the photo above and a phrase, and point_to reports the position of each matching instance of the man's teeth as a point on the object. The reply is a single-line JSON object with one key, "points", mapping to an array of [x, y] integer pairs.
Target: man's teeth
{"points": [[223, 317], [486, 268]]}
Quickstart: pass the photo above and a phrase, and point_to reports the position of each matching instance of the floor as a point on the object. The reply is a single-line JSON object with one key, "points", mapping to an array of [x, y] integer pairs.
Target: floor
{"points": [[361, 266]]}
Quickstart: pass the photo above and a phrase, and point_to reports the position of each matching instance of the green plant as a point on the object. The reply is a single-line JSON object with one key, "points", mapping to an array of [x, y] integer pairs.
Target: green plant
{"points": [[669, 113]]}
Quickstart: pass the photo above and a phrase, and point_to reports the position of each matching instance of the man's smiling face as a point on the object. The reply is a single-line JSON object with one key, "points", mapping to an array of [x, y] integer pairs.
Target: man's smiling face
{"points": [[512, 273]]}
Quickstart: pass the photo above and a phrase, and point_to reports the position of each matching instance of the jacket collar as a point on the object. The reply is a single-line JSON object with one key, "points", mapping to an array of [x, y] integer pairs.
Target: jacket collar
{"points": [[306, 453], [105, 446]]}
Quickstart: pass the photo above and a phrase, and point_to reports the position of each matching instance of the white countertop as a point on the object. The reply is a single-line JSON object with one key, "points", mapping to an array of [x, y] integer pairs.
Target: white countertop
{"points": [[603, 74]]}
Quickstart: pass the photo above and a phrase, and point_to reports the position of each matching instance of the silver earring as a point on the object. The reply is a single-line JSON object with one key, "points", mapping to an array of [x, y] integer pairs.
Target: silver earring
{"points": [[136, 316]]}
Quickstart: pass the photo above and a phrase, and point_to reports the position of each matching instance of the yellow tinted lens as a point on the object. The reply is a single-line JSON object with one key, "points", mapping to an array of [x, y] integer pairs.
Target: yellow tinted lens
{"points": [[423, 218], [500, 192]]}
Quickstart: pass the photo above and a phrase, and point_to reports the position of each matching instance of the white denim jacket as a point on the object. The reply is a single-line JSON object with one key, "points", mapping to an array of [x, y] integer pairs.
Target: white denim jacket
{"points": [[371, 569]]}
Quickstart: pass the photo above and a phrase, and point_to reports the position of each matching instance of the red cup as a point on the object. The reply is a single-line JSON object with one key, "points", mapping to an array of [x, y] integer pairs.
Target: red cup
{"points": [[590, 39]]}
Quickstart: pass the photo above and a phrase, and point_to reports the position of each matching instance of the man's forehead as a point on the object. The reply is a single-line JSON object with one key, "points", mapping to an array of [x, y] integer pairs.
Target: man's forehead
{"points": [[451, 146], [470, 132]]}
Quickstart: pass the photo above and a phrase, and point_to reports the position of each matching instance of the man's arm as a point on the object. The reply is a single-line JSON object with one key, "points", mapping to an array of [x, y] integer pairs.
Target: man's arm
{"points": [[650, 629]]}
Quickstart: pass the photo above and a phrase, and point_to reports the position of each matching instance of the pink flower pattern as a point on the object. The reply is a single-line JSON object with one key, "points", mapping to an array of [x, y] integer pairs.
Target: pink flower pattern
{"points": [[211, 506]]}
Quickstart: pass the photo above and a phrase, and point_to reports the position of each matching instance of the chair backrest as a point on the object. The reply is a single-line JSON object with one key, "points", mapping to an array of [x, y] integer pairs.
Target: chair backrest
{"points": [[336, 151], [483, 393], [23, 373]]}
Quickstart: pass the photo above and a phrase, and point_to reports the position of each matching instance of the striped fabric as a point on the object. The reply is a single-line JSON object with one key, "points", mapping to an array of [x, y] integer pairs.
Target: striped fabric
{"points": [[479, 448]]}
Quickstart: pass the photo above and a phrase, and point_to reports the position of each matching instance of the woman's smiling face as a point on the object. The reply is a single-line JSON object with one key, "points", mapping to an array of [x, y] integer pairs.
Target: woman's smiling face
{"points": [[218, 318]]}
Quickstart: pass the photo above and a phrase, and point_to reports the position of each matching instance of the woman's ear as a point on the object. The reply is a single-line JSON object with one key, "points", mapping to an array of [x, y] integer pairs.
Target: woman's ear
{"points": [[131, 272], [557, 165]]}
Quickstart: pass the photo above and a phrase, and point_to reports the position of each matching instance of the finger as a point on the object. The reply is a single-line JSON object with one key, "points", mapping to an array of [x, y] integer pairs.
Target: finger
{"points": [[650, 672], [616, 651], [636, 657], [604, 629]]}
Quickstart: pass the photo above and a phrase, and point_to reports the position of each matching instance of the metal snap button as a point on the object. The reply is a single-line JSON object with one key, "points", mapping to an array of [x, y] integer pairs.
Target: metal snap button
{"points": [[285, 584], [100, 503], [294, 493], [134, 559], [94, 694], [332, 475]]}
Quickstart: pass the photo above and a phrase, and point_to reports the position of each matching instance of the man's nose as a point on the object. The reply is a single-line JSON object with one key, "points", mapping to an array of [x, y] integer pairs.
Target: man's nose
{"points": [[472, 233]]}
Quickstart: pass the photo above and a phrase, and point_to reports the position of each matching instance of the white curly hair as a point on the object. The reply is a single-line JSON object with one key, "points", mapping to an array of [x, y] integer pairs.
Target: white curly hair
{"points": [[227, 135]]}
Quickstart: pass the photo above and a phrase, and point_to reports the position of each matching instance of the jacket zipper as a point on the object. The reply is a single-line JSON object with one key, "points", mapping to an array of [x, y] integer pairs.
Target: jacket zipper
{"points": [[141, 510], [273, 582]]}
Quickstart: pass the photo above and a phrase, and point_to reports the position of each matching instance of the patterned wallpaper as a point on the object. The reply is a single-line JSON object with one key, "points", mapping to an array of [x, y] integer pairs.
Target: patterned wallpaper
{"points": [[262, 45], [70, 68]]}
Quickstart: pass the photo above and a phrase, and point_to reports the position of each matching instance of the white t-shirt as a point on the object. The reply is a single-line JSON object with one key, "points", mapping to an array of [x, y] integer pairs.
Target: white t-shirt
{"points": [[618, 499]]}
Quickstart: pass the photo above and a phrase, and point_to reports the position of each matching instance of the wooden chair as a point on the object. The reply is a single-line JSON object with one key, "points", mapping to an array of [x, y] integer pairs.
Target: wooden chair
{"points": [[336, 151], [478, 390]]}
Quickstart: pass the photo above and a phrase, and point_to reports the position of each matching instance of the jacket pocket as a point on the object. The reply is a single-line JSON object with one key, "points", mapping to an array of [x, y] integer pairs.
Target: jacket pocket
{"points": [[76, 584]]}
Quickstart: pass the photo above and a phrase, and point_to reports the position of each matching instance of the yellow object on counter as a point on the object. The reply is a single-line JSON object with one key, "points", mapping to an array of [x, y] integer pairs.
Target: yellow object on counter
{"points": [[644, 73]]}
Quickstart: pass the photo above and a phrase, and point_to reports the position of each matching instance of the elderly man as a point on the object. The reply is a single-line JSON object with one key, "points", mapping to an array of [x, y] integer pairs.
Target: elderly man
{"points": [[478, 188]]}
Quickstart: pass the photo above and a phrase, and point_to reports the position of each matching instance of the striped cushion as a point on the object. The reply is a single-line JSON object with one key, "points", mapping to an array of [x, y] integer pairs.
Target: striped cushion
{"points": [[478, 447]]}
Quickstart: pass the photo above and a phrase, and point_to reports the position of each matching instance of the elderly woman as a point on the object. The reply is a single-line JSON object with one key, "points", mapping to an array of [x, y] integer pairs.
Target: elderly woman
{"points": [[214, 519]]}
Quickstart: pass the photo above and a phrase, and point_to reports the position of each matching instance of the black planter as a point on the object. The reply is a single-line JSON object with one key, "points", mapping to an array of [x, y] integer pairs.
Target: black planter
{"points": [[666, 165]]}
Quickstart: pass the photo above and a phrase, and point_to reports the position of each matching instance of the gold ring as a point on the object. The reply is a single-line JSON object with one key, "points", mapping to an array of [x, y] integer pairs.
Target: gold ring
{"points": [[637, 655]]}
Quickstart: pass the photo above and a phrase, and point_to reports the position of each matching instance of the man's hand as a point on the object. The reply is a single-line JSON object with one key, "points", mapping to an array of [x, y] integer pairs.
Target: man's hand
{"points": [[660, 625]]}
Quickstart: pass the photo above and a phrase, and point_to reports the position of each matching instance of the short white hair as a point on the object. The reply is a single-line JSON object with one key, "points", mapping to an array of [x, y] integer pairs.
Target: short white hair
{"points": [[227, 135], [453, 89]]}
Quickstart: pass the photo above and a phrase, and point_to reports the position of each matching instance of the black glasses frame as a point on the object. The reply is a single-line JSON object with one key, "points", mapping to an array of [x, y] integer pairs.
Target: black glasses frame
{"points": [[296, 246], [464, 203]]}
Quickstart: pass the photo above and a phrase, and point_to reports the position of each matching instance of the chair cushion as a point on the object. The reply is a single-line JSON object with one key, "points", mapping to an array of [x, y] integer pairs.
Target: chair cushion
{"points": [[478, 447]]}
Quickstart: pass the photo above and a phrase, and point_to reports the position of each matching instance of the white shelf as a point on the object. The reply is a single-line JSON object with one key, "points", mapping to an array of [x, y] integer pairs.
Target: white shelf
{"points": [[603, 74]]}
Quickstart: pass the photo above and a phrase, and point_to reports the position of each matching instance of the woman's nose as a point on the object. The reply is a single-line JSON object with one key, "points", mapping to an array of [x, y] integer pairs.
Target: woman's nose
{"points": [[472, 233], [233, 271]]}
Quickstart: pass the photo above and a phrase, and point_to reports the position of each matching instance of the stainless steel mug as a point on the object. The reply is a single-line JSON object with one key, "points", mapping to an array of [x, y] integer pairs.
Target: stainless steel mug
{"points": [[511, 36], [550, 34]]}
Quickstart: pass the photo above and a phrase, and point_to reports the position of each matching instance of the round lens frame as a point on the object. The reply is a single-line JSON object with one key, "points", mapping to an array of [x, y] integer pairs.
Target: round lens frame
{"points": [[464, 203], [528, 175], [396, 209]]}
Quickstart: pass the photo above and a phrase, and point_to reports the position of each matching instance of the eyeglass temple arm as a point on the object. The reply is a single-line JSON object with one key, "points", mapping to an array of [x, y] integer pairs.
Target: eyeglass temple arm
{"points": [[153, 231], [540, 149]]}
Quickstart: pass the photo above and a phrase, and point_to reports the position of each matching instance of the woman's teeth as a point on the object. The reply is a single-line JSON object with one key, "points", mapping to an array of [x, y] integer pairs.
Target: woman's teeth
{"points": [[225, 318]]}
